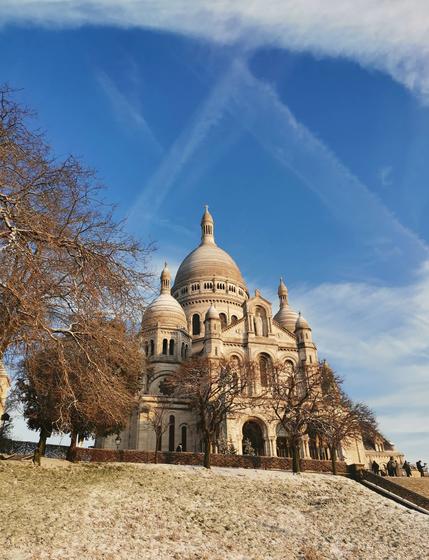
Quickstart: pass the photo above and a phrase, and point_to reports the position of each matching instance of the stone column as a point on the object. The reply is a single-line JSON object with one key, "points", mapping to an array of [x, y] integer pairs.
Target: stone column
{"points": [[273, 447], [305, 448]]}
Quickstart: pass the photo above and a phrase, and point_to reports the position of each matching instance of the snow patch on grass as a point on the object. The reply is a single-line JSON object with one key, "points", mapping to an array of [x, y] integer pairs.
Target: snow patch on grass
{"points": [[115, 512]]}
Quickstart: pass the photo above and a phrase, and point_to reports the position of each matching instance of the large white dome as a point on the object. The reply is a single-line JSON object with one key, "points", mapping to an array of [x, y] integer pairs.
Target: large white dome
{"points": [[208, 261]]}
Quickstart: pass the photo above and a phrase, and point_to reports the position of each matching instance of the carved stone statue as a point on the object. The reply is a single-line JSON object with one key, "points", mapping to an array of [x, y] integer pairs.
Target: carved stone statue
{"points": [[260, 323]]}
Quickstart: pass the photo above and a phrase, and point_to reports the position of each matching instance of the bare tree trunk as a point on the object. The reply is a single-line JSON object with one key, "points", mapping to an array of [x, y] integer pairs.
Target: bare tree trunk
{"points": [[157, 447], [295, 457], [39, 452], [207, 450], [333, 452], [71, 451]]}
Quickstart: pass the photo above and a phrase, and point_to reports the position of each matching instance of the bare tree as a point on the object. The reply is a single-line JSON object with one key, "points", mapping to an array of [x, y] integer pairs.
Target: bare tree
{"points": [[158, 420], [214, 389], [62, 253], [63, 391], [339, 420], [294, 400]]}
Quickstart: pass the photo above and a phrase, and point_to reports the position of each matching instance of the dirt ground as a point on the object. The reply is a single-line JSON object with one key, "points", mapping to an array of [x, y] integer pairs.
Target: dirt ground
{"points": [[117, 512]]}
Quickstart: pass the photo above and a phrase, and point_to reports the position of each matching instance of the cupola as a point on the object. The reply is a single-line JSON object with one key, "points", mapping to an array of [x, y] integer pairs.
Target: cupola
{"points": [[286, 316]]}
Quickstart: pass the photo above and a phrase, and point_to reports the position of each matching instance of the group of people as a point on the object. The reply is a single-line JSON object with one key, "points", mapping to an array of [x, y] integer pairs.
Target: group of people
{"points": [[392, 468]]}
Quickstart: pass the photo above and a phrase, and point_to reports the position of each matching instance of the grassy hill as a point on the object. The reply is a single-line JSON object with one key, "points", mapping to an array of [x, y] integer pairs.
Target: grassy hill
{"points": [[187, 513]]}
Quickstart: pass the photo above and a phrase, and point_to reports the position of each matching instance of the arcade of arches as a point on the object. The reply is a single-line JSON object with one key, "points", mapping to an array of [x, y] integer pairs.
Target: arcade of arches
{"points": [[254, 442]]}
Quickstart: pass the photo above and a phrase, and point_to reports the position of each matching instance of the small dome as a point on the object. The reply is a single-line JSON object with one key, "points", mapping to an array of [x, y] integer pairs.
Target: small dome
{"points": [[212, 313], [166, 311], [301, 323], [286, 317]]}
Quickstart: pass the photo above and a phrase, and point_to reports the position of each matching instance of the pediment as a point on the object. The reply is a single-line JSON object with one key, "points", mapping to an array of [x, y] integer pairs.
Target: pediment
{"points": [[284, 333]]}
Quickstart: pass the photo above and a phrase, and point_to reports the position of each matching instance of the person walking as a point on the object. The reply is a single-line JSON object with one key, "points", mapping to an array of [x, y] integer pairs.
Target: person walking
{"points": [[420, 467], [407, 468], [391, 467], [375, 467]]}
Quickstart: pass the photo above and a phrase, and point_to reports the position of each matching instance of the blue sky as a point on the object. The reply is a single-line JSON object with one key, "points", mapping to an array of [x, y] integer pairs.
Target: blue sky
{"points": [[305, 129]]}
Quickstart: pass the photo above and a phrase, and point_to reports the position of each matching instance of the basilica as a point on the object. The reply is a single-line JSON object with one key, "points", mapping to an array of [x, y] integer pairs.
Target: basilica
{"points": [[208, 311]]}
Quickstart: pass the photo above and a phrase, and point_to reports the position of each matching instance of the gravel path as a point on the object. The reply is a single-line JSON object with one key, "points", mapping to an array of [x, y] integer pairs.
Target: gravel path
{"points": [[115, 512]]}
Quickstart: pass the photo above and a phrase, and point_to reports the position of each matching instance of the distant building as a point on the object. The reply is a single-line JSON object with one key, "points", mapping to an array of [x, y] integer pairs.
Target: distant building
{"points": [[210, 312]]}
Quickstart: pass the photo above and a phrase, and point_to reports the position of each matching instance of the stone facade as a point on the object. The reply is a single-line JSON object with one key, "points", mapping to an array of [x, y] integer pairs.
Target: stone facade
{"points": [[210, 312], [4, 387]]}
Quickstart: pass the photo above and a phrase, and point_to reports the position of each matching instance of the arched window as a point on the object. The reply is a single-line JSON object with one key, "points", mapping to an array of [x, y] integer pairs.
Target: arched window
{"points": [[171, 430], [289, 367], [223, 320], [182, 351], [233, 319], [171, 348], [165, 346], [186, 351], [146, 349], [184, 437], [264, 369], [196, 325], [165, 388], [282, 443], [152, 348]]}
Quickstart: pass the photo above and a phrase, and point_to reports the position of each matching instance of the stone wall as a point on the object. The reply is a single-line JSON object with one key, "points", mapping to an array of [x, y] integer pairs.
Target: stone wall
{"points": [[217, 460], [396, 489]]}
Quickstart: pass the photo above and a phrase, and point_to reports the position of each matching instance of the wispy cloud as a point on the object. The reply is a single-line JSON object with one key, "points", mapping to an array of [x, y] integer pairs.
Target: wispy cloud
{"points": [[258, 109], [127, 112], [378, 338], [380, 34], [385, 175], [255, 108], [184, 148]]}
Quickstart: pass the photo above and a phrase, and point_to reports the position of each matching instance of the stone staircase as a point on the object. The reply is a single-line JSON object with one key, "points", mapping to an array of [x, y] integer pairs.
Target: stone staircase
{"points": [[389, 489]]}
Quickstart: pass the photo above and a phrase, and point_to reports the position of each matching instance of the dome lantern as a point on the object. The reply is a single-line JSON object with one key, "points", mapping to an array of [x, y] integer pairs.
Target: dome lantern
{"points": [[165, 280], [282, 293], [207, 227]]}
